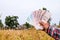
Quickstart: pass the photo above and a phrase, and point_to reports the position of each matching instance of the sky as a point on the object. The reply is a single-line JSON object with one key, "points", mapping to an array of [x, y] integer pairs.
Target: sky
{"points": [[23, 8]]}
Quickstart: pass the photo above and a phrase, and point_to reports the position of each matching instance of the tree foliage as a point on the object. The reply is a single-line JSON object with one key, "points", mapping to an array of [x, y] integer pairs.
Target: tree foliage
{"points": [[11, 21], [28, 25], [59, 24], [44, 8], [1, 24]]}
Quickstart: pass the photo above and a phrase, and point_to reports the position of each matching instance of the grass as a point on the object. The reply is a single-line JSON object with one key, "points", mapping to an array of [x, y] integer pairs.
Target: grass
{"points": [[30, 34]]}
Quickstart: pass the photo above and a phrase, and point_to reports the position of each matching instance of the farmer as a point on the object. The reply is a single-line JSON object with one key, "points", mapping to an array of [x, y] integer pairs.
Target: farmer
{"points": [[52, 31], [40, 20]]}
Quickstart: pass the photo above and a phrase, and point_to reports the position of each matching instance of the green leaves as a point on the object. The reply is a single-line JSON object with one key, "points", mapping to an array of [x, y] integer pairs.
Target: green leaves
{"points": [[1, 25], [28, 25], [11, 21], [44, 9]]}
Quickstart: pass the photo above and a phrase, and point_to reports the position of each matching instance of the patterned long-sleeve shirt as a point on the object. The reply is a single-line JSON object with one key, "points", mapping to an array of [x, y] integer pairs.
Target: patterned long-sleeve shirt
{"points": [[54, 32]]}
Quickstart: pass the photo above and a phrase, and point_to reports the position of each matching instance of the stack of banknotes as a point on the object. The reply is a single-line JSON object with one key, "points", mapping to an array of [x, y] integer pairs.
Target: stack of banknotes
{"points": [[38, 16]]}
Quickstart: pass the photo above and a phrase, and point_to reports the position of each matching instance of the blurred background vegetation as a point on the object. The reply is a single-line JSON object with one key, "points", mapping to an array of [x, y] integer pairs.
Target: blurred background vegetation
{"points": [[11, 22]]}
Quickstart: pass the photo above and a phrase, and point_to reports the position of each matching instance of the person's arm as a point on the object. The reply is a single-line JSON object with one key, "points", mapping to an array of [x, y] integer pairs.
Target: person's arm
{"points": [[51, 30], [54, 32]]}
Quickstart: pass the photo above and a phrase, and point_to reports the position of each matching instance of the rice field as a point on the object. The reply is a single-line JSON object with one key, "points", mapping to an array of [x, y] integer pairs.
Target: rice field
{"points": [[30, 34]]}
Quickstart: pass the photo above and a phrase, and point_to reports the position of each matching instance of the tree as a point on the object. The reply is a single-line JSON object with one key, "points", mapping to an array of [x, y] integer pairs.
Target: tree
{"points": [[11, 22], [28, 25], [44, 8], [59, 22], [1, 24], [55, 24]]}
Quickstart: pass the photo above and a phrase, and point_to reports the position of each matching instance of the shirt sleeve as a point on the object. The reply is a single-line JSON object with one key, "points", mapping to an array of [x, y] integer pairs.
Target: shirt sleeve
{"points": [[54, 32]]}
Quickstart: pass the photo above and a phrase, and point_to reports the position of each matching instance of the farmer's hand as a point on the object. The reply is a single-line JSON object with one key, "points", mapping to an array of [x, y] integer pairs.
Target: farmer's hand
{"points": [[45, 25]]}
